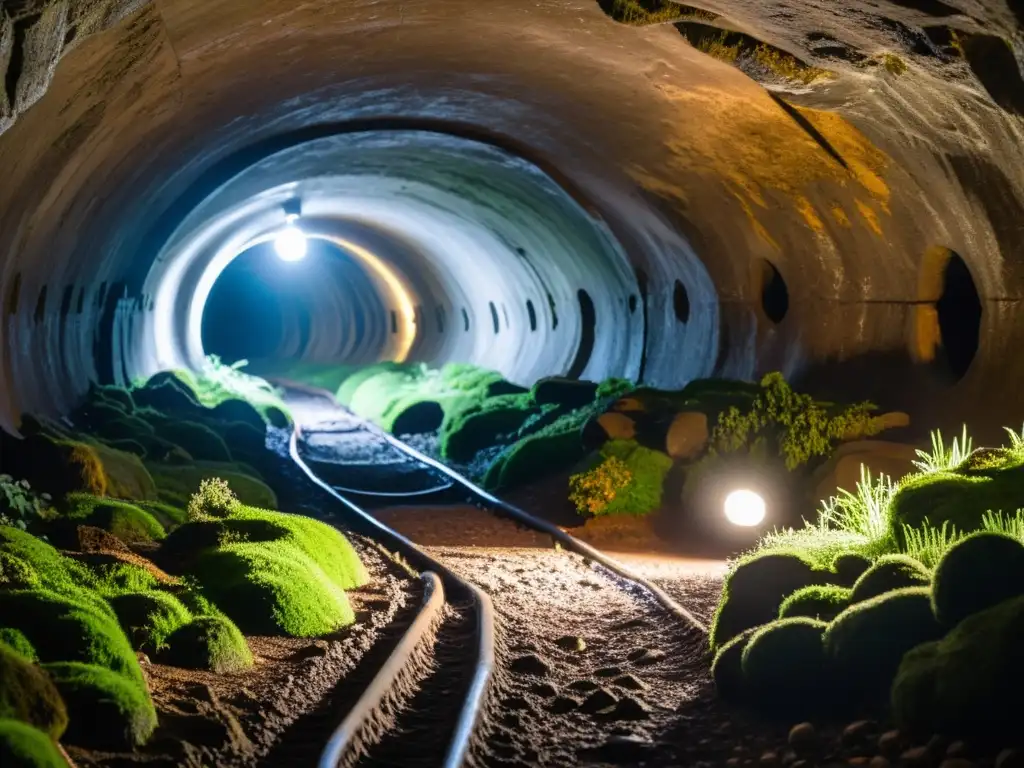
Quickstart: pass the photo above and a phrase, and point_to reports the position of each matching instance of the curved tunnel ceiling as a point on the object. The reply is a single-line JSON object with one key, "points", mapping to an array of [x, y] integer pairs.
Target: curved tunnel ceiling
{"points": [[446, 138]]}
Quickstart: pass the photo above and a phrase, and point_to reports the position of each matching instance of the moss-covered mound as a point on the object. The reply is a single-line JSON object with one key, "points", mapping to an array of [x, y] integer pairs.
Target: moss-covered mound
{"points": [[166, 393], [178, 482], [647, 469], [755, 588], [476, 428], [49, 568], [968, 685], [889, 572], [237, 411], [272, 573], [977, 573], [784, 665], [727, 667], [208, 642], [867, 641], [116, 396], [15, 640], [201, 442], [107, 710], [16, 573], [959, 498], [22, 746], [28, 694], [64, 629], [148, 618], [125, 428], [819, 601], [849, 567], [127, 521]]}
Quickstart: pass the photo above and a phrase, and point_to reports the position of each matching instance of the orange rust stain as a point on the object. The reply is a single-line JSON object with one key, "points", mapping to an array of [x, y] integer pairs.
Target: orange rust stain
{"points": [[927, 335], [870, 217], [806, 209], [840, 216]]}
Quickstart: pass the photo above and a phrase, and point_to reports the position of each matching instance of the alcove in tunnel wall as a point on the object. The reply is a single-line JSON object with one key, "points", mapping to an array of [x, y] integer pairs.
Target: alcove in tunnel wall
{"points": [[100, 174]]}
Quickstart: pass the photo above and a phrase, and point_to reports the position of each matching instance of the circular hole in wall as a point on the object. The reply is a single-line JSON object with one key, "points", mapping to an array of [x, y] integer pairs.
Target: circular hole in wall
{"points": [[588, 323], [532, 313], [494, 316], [681, 302], [774, 294], [959, 314], [632, 303]]}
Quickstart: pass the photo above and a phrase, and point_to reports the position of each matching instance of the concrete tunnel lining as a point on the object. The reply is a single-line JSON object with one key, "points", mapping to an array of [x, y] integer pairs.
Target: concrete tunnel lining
{"points": [[666, 144]]}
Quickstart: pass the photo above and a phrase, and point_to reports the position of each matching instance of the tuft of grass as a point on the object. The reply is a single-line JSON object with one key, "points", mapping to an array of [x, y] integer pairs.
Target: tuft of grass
{"points": [[943, 458], [718, 48], [641, 12], [788, 66]]}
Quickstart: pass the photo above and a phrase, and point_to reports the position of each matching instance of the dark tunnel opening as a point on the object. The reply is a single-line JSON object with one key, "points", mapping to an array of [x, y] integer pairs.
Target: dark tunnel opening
{"points": [[588, 323], [681, 302], [774, 293], [959, 310]]}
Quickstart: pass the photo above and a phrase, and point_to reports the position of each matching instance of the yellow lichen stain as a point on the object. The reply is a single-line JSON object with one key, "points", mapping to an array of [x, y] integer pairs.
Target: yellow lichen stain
{"points": [[870, 217], [757, 226], [806, 209], [656, 184], [840, 216], [927, 335]]}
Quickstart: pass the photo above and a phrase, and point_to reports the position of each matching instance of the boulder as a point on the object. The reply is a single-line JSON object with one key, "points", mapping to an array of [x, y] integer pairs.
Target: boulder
{"points": [[842, 470], [687, 435], [617, 426]]}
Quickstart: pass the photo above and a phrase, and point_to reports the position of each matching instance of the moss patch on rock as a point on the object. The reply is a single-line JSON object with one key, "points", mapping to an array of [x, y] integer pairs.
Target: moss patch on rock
{"points": [[727, 667], [23, 746], [128, 522], [977, 573], [149, 618], [15, 640], [889, 572], [208, 642], [177, 483], [819, 601], [107, 711], [28, 694], [784, 665]]}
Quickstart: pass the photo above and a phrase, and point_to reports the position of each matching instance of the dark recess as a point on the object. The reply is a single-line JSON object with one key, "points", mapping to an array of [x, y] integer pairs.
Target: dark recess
{"points": [[774, 294], [988, 184], [103, 344], [554, 312], [465, 319], [632, 303], [440, 319], [532, 313], [14, 294], [81, 301], [928, 7], [994, 64], [588, 322], [102, 294], [494, 317], [681, 302], [66, 301], [959, 310], [394, 321], [641, 283], [17, 61], [40, 312]]}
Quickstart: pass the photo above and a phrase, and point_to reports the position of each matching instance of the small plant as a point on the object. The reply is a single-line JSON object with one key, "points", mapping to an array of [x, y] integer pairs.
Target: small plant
{"points": [[941, 458], [928, 543], [718, 48], [1011, 525], [893, 64], [213, 499], [19, 504], [1016, 446], [787, 66], [591, 492], [655, 12], [864, 512]]}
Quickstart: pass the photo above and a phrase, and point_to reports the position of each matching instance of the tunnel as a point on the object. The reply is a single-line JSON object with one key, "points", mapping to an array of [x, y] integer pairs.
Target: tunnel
{"points": [[542, 191]]}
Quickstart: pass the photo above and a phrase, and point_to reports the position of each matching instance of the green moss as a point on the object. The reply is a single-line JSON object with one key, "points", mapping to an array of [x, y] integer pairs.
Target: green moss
{"points": [[125, 475], [820, 601], [966, 684], [177, 483], [727, 668], [121, 578], [977, 573], [613, 388], [784, 666], [15, 640], [482, 426], [244, 440], [867, 641], [200, 441], [107, 710], [148, 618], [648, 468], [238, 411], [889, 572], [128, 446], [128, 522], [16, 573], [47, 565], [22, 746], [957, 498], [208, 642], [353, 379], [167, 393], [167, 515], [61, 628], [272, 573], [27, 694], [755, 589], [849, 567], [117, 396], [125, 428]]}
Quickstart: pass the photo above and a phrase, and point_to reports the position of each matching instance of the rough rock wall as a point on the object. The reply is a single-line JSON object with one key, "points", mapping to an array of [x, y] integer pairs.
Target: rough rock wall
{"points": [[35, 34]]}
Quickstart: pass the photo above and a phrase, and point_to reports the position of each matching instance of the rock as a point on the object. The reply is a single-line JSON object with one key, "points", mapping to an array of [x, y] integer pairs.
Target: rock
{"points": [[956, 749], [918, 757], [859, 761], [890, 743], [937, 745], [957, 762], [803, 738], [531, 664], [620, 749], [607, 672], [568, 393], [687, 435], [842, 470], [769, 758], [879, 761], [597, 701], [733, 762], [544, 690], [562, 704], [629, 405], [629, 708], [517, 702], [630, 683], [571, 643], [639, 653], [651, 657], [858, 731], [143, 658], [617, 426], [583, 686], [1010, 758]]}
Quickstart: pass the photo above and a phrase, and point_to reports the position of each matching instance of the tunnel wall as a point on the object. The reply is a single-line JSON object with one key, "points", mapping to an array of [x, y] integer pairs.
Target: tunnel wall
{"points": [[696, 171]]}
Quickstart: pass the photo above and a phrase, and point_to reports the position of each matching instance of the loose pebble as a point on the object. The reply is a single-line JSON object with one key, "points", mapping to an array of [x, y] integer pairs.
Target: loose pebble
{"points": [[890, 743], [803, 738], [956, 749], [545, 690], [858, 731], [770, 758], [1010, 758], [531, 664], [597, 701], [571, 643], [631, 683], [918, 757], [562, 704], [957, 762], [879, 761]]}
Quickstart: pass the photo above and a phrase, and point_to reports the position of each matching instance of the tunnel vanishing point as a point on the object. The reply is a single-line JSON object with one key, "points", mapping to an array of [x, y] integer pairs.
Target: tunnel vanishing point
{"points": [[831, 188]]}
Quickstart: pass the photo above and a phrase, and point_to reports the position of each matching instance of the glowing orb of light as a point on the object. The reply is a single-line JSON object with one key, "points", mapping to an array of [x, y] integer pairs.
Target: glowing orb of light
{"points": [[290, 244], [744, 508]]}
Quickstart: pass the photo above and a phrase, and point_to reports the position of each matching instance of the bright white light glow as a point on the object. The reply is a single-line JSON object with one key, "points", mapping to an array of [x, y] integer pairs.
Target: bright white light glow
{"points": [[744, 508], [290, 244]]}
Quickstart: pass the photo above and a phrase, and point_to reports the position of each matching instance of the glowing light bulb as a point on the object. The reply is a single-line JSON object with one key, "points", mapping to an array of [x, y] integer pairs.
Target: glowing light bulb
{"points": [[290, 244], [744, 508]]}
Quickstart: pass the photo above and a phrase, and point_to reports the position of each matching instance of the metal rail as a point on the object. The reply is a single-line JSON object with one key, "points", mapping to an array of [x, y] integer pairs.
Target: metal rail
{"points": [[469, 715]]}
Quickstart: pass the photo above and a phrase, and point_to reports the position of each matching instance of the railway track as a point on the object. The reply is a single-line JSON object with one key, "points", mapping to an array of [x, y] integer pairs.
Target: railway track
{"points": [[425, 703]]}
